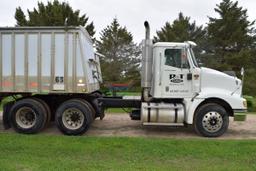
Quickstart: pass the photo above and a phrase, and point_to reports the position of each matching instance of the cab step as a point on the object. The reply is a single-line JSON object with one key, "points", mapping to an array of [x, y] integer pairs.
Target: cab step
{"points": [[162, 124]]}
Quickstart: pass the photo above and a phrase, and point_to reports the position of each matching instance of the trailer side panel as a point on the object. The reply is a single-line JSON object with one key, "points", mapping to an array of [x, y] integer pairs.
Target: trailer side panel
{"points": [[47, 60]]}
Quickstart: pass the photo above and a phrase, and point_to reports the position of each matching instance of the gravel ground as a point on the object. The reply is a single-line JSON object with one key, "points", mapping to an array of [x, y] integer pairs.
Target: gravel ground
{"points": [[122, 125]]}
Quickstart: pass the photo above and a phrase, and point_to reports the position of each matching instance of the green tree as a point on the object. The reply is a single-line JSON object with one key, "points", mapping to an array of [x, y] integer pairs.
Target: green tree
{"points": [[122, 55], [232, 30], [53, 14], [233, 42], [180, 30]]}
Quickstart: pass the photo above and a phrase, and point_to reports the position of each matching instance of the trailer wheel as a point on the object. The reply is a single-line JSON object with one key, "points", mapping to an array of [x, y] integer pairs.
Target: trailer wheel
{"points": [[28, 116], [93, 113], [47, 109], [211, 120], [73, 117]]}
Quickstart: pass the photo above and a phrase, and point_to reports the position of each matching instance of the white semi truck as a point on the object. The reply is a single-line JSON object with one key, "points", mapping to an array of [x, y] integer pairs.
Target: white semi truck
{"points": [[54, 74]]}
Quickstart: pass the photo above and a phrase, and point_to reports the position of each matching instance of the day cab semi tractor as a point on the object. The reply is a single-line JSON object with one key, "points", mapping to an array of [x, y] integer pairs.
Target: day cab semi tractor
{"points": [[53, 74]]}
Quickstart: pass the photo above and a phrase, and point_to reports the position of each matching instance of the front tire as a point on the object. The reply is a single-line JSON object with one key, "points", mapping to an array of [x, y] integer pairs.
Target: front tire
{"points": [[73, 117], [211, 120]]}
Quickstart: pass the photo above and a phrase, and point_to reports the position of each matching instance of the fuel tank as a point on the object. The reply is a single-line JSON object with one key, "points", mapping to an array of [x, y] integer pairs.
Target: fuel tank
{"points": [[162, 113]]}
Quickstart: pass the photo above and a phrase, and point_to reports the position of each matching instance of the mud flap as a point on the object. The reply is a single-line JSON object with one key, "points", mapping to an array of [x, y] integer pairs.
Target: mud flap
{"points": [[6, 112]]}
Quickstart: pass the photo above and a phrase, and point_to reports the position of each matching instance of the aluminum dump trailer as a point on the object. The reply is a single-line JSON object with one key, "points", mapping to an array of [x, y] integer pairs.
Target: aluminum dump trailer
{"points": [[53, 74], [48, 60]]}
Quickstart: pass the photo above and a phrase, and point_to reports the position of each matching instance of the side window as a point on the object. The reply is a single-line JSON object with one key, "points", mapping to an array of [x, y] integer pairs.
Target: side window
{"points": [[176, 58]]}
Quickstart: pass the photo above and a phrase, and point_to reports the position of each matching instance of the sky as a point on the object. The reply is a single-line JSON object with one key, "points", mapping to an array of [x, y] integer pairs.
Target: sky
{"points": [[131, 13]]}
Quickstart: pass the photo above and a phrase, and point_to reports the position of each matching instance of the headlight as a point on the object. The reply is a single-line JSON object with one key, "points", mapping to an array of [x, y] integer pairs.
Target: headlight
{"points": [[245, 103]]}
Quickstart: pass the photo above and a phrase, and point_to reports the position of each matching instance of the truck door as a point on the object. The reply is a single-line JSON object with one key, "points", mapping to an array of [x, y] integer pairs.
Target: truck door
{"points": [[176, 74]]}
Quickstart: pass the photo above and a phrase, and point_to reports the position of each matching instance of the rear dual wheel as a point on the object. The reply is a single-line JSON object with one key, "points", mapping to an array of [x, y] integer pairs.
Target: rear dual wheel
{"points": [[47, 109], [28, 116], [74, 117]]}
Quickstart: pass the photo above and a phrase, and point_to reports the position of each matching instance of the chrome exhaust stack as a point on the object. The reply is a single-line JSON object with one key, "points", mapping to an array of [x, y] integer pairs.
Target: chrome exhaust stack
{"points": [[147, 28], [147, 59]]}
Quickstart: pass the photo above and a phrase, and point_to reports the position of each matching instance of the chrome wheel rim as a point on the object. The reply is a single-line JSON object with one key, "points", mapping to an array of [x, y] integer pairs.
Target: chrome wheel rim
{"points": [[25, 117], [73, 118], [212, 121]]}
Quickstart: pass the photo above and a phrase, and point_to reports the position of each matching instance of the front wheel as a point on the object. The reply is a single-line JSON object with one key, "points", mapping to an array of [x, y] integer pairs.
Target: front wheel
{"points": [[211, 120]]}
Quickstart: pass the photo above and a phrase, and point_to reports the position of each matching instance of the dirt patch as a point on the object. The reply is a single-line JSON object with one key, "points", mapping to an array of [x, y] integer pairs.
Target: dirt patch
{"points": [[122, 125]]}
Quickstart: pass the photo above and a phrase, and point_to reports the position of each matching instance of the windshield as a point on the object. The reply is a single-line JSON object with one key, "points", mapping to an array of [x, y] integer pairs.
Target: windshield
{"points": [[193, 57]]}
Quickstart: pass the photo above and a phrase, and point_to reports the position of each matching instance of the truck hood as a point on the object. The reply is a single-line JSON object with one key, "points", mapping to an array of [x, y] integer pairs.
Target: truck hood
{"points": [[213, 79]]}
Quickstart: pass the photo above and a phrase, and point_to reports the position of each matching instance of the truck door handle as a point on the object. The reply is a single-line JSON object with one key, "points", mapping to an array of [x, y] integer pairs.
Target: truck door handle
{"points": [[189, 76]]}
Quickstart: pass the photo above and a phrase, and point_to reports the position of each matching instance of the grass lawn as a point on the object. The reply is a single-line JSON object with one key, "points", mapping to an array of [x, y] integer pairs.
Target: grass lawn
{"points": [[117, 110], [44, 152]]}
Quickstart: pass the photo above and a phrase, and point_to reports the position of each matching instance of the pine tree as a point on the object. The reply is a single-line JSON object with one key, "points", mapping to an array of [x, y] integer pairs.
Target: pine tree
{"points": [[230, 34], [122, 55], [53, 14], [233, 42], [232, 30], [20, 17], [180, 30]]}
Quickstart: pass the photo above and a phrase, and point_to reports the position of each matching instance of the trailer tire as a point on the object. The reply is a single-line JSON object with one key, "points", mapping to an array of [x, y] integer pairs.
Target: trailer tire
{"points": [[211, 120], [92, 111], [47, 109], [73, 117], [28, 116]]}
